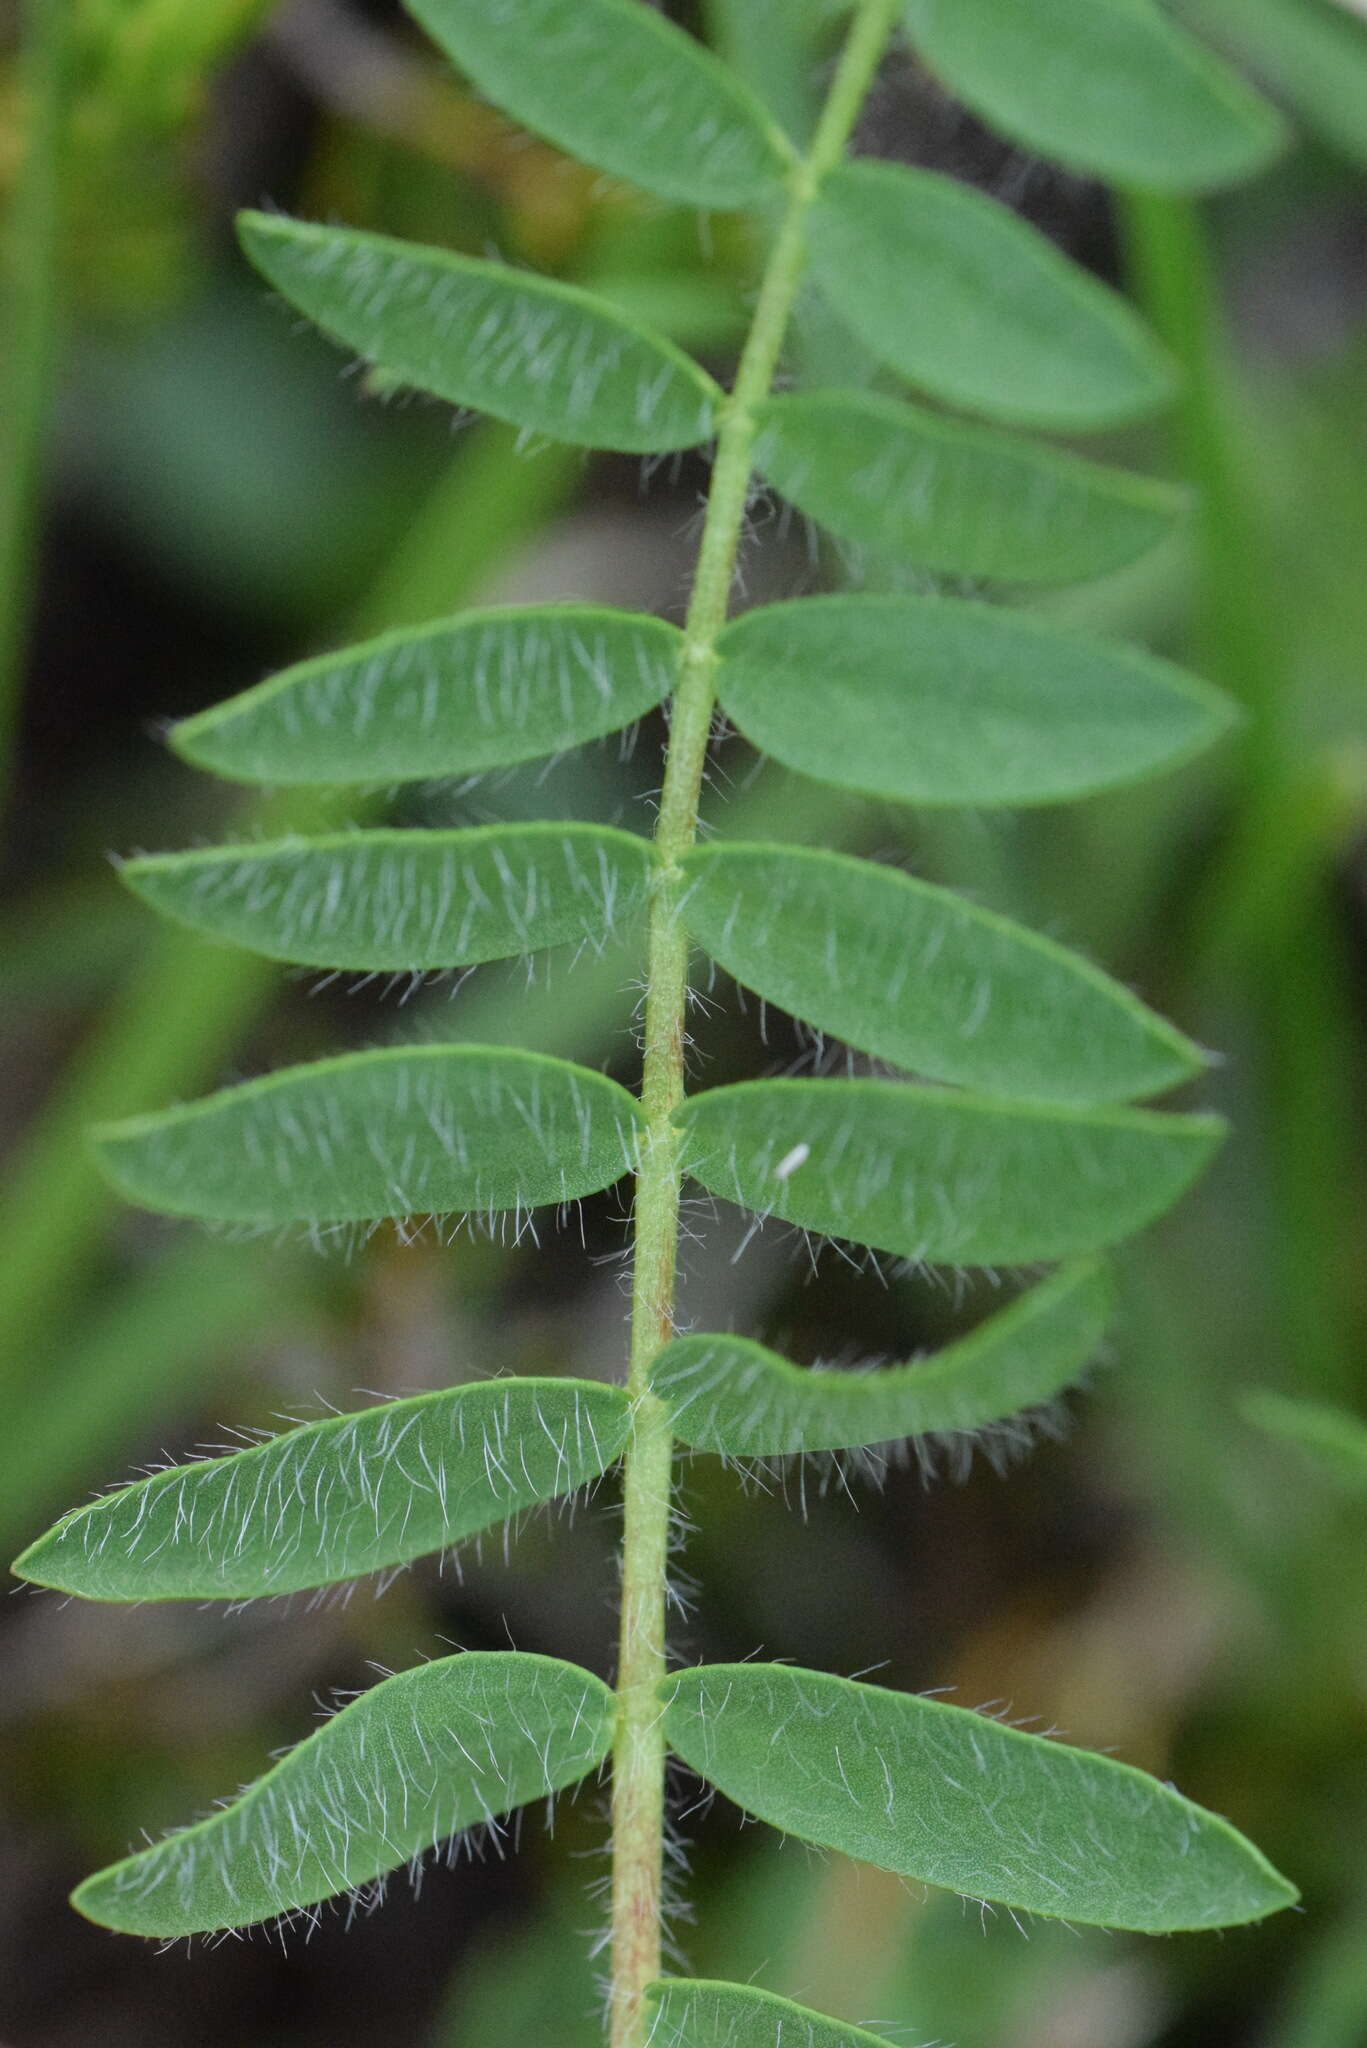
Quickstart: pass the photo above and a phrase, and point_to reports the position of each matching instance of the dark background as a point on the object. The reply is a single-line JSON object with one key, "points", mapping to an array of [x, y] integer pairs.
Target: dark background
{"points": [[1156, 1579]]}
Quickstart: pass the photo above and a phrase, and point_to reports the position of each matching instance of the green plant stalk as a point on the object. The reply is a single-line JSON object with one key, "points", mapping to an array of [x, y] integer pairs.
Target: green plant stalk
{"points": [[35, 229], [1291, 969], [1326, 2005], [1234, 628], [186, 1004], [638, 1802]]}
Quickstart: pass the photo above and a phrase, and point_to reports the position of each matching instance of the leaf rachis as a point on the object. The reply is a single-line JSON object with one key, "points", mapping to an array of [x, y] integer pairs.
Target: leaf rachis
{"points": [[963, 1094]]}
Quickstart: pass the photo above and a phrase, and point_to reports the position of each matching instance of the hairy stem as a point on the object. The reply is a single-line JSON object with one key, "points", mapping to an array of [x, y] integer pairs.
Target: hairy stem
{"points": [[33, 288], [639, 1753]]}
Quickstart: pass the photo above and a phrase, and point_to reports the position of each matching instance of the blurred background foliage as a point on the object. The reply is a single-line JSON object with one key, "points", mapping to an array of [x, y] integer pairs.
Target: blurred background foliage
{"points": [[193, 491]]}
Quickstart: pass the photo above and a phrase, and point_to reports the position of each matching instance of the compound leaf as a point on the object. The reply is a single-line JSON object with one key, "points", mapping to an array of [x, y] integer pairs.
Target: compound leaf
{"points": [[929, 1173], [1109, 87], [404, 901], [335, 1499], [963, 297], [693, 2013], [952, 1798], [953, 496], [1335, 1437], [914, 974], [1313, 52], [540, 354], [615, 83], [484, 690], [731, 1396], [941, 700], [400, 1132], [446, 1746]]}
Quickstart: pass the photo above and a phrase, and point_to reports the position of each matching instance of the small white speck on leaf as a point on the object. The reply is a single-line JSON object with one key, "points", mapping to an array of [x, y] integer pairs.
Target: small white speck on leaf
{"points": [[790, 1162]]}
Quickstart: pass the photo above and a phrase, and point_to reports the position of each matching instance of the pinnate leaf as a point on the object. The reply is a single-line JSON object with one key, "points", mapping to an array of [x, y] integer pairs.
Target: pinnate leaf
{"points": [[1312, 52], [929, 1173], [615, 83], [940, 700], [416, 1759], [693, 2013], [405, 901], [914, 974], [335, 1499], [952, 1798], [399, 1132], [967, 300], [1335, 1438], [540, 354], [483, 690], [1110, 87], [731, 1396], [953, 496]]}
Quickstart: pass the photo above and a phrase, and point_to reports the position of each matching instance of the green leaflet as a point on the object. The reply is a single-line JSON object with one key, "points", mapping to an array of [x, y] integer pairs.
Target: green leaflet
{"points": [[927, 1173], [916, 975], [336, 1499], [728, 1395], [692, 2013], [399, 1132], [484, 690], [1110, 87], [970, 302], [405, 901], [1313, 51], [940, 700], [615, 83], [955, 497], [543, 355], [411, 1762], [1335, 1437], [952, 1798]]}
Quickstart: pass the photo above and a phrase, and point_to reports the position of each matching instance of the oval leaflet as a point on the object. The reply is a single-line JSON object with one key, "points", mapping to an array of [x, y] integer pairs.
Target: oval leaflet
{"points": [[414, 1760], [1315, 51], [935, 1174], [542, 355], [943, 700], [405, 901], [484, 690], [1111, 87], [967, 300], [953, 496], [917, 975], [618, 85], [335, 1499], [953, 1798], [402, 1132]]}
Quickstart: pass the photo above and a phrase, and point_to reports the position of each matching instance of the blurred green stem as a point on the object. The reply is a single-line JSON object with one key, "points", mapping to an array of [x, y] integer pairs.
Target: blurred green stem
{"points": [[32, 289], [181, 1012], [1234, 627], [1327, 2002], [1287, 956]]}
